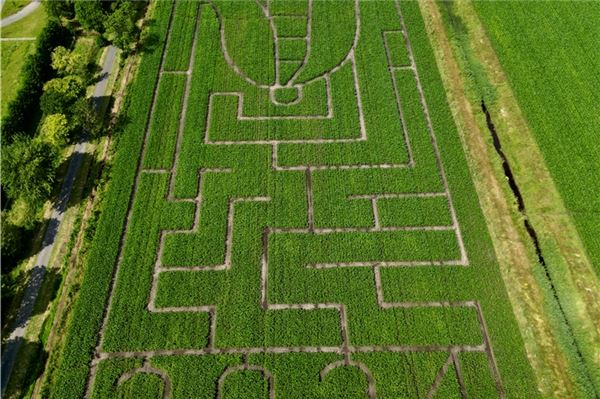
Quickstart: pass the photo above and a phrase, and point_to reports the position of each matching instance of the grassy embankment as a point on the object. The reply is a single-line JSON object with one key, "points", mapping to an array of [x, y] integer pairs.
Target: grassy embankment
{"points": [[558, 324]]}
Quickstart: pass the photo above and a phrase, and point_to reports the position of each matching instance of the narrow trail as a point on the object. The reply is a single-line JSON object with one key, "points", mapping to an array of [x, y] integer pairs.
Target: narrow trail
{"points": [[38, 272], [22, 13]]}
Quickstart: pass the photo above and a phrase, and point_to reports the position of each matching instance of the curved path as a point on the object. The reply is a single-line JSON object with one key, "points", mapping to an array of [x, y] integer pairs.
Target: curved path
{"points": [[22, 13], [17, 334]]}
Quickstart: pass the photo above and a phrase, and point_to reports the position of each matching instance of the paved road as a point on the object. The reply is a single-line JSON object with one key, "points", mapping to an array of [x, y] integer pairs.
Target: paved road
{"points": [[22, 13], [38, 272], [101, 86]]}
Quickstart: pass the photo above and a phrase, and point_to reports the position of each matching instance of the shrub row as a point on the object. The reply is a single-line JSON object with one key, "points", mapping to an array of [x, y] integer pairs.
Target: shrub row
{"points": [[36, 71]]}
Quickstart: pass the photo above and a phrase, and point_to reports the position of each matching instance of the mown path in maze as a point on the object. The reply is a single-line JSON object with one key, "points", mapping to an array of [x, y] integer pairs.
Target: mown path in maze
{"points": [[302, 223]]}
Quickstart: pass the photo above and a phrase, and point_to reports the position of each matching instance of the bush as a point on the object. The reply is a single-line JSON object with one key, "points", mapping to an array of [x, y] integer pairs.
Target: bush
{"points": [[28, 169], [60, 94]]}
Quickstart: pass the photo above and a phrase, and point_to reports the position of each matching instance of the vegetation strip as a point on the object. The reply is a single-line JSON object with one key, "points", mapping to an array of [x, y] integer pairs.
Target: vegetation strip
{"points": [[540, 331], [552, 36], [528, 227], [564, 247], [86, 315]]}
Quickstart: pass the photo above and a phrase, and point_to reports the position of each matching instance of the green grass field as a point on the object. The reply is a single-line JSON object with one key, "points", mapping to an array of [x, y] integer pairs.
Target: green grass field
{"points": [[14, 52], [30, 26], [291, 214], [551, 55]]}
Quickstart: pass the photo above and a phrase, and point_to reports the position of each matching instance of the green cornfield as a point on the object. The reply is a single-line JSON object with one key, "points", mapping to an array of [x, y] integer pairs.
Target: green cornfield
{"points": [[291, 215], [551, 55]]}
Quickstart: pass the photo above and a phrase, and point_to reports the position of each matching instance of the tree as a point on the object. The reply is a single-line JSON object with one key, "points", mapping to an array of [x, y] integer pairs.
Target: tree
{"points": [[61, 60], [67, 62], [28, 170], [59, 8], [86, 117], [90, 14], [55, 130], [60, 94], [120, 26], [34, 73], [24, 215]]}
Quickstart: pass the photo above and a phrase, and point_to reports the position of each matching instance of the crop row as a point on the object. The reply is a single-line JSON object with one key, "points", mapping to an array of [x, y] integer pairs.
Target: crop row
{"points": [[515, 371], [182, 36], [165, 122], [83, 330]]}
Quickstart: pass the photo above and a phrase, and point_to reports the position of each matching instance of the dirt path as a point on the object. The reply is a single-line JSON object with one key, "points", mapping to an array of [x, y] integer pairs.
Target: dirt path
{"points": [[43, 258], [25, 11]]}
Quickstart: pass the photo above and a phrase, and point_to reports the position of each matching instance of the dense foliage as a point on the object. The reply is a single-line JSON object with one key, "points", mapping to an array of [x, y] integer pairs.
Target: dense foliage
{"points": [[36, 71], [60, 94], [92, 13], [59, 9], [28, 168], [120, 26]]}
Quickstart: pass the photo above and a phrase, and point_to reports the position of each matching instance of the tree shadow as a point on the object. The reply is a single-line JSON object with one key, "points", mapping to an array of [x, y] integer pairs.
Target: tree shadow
{"points": [[23, 238], [79, 188], [20, 296], [95, 74], [74, 188], [28, 366], [103, 103], [148, 44], [122, 120]]}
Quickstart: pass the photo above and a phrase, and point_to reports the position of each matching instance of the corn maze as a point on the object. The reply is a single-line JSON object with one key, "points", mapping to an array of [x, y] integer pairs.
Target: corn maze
{"points": [[301, 221]]}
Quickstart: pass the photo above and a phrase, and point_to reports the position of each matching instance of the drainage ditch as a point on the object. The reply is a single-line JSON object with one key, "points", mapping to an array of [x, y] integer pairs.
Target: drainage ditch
{"points": [[528, 226]]}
